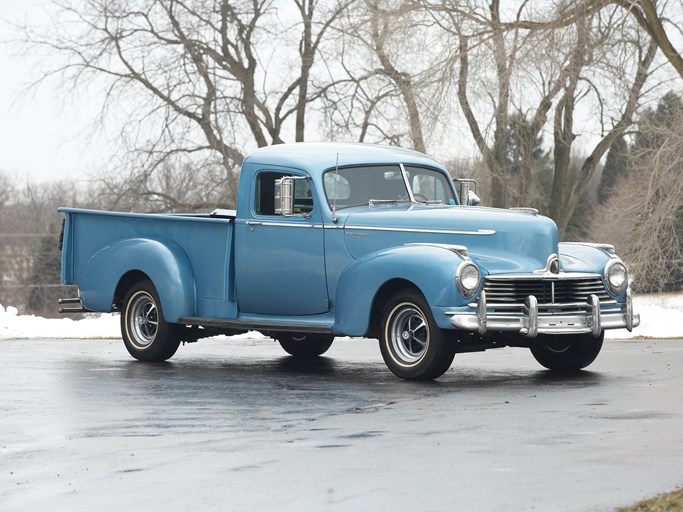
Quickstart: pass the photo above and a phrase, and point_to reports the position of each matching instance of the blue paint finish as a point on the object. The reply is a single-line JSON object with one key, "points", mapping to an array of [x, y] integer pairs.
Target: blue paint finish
{"points": [[321, 270], [430, 269], [164, 263], [279, 257], [490, 235], [97, 253]]}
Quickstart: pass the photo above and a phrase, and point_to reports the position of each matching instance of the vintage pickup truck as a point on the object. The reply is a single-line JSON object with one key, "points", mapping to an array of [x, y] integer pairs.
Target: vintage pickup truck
{"points": [[350, 240]]}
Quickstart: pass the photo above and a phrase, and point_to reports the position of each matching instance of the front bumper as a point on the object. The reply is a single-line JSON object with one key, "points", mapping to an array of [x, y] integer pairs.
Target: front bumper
{"points": [[589, 319]]}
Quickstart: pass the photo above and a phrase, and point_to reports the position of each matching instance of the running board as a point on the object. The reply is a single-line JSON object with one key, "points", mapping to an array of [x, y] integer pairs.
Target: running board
{"points": [[255, 326]]}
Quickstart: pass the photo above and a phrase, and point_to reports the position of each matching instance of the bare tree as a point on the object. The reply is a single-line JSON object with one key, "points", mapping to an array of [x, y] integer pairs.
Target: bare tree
{"points": [[595, 57], [645, 214], [205, 80], [649, 14], [390, 82], [567, 191]]}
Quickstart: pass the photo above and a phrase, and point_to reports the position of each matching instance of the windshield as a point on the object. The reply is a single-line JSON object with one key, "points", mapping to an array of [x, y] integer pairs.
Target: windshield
{"points": [[354, 186]]}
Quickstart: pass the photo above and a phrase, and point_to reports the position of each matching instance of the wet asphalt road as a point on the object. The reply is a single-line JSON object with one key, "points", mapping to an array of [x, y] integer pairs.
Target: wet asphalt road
{"points": [[237, 425]]}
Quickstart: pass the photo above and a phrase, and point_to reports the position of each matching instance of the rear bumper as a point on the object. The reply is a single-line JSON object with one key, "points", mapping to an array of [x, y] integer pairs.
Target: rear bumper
{"points": [[590, 319]]}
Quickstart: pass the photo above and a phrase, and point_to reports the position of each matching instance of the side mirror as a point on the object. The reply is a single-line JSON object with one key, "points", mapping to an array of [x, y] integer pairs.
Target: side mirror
{"points": [[284, 196], [473, 198], [468, 196]]}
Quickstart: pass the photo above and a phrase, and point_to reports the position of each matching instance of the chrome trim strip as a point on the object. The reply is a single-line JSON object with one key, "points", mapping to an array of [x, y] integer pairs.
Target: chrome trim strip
{"points": [[407, 183], [545, 276], [434, 231], [283, 224], [548, 305]]}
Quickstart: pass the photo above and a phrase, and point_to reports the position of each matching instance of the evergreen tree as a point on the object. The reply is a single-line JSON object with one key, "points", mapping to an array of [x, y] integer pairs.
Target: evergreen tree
{"points": [[616, 165], [45, 275]]}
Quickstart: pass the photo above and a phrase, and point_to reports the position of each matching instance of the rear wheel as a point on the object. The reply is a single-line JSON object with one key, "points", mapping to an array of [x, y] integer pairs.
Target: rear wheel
{"points": [[305, 345], [147, 336], [412, 345], [567, 353]]}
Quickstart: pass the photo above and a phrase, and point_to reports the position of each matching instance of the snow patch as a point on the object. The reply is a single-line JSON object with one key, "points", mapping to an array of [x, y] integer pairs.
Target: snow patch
{"points": [[15, 326]]}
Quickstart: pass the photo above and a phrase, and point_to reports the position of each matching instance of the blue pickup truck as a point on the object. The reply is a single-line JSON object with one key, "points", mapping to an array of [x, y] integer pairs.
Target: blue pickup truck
{"points": [[350, 240]]}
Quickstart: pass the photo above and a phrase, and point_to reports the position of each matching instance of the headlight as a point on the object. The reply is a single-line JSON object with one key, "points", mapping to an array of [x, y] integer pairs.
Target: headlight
{"points": [[467, 278], [616, 276]]}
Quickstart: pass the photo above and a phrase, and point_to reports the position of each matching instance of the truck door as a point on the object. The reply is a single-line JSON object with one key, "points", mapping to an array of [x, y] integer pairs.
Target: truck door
{"points": [[280, 261]]}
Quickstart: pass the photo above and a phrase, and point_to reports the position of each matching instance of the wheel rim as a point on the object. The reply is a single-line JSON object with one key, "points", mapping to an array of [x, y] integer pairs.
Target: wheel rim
{"points": [[143, 320], [408, 334]]}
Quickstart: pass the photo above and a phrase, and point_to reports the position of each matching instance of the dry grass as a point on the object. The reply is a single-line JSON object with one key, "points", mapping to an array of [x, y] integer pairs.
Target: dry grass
{"points": [[671, 502]]}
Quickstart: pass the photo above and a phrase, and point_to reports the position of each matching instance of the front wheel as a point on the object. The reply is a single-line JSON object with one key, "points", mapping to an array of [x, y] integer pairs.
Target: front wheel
{"points": [[305, 345], [567, 353], [147, 336], [412, 345]]}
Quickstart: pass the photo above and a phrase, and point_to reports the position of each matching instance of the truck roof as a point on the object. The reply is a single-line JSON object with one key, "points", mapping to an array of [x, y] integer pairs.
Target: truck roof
{"points": [[315, 157]]}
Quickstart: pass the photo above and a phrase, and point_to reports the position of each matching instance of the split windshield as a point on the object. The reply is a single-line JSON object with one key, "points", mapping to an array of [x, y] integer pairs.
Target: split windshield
{"points": [[354, 186]]}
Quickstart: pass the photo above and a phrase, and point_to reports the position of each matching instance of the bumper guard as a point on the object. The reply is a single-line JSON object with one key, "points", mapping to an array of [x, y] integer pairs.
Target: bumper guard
{"points": [[530, 323]]}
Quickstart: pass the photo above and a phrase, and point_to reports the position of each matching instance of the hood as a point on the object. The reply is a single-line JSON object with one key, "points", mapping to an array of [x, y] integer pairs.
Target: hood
{"points": [[499, 241]]}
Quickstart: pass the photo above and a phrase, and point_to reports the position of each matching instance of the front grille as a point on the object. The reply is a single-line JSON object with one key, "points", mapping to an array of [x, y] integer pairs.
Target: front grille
{"points": [[547, 291]]}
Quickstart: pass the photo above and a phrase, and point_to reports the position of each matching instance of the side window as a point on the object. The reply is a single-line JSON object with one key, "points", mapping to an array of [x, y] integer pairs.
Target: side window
{"points": [[303, 197], [265, 194]]}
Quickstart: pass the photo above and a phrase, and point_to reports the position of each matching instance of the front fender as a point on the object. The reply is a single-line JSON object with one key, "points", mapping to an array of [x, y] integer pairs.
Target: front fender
{"points": [[587, 257], [430, 268], [583, 257], [165, 263]]}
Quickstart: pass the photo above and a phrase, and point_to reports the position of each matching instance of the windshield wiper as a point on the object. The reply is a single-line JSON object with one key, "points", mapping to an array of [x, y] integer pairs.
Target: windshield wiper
{"points": [[429, 201], [385, 201]]}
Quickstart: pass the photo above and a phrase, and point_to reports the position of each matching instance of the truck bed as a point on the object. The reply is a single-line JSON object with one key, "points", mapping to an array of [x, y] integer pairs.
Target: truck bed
{"points": [[100, 247]]}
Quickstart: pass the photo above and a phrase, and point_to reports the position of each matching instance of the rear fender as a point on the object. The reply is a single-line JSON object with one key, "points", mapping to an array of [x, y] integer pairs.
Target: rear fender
{"points": [[430, 269], [165, 263]]}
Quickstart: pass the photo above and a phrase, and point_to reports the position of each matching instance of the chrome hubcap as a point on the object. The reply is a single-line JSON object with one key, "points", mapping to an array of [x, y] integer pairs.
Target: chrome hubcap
{"points": [[409, 334], [143, 320]]}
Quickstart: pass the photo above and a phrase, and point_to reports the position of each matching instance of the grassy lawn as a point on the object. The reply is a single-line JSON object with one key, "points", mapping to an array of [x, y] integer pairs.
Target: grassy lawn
{"points": [[671, 502]]}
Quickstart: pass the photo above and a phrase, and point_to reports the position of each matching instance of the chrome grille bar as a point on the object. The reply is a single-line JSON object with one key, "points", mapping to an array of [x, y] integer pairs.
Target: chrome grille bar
{"points": [[566, 292]]}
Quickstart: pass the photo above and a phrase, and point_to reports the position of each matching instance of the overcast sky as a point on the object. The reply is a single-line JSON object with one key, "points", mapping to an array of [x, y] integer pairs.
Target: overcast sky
{"points": [[42, 135]]}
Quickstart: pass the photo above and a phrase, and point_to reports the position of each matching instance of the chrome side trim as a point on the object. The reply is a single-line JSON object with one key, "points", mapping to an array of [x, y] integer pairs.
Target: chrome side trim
{"points": [[434, 231], [284, 224]]}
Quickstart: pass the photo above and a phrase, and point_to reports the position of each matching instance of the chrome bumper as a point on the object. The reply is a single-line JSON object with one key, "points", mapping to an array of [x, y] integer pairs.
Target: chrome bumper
{"points": [[530, 323]]}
